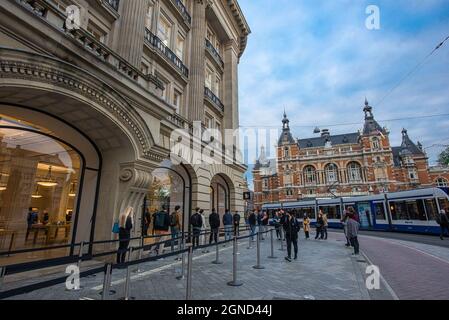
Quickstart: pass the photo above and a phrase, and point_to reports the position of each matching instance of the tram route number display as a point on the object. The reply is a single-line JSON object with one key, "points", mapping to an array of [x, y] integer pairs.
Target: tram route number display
{"points": [[226, 310]]}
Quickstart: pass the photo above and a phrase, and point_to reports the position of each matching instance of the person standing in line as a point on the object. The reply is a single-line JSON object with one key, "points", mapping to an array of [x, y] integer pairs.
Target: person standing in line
{"points": [[353, 231], [325, 225], [175, 225], [228, 223], [245, 217], [252, 221], [277, 224], [161, 227], [146, 221], [236, 218], [443, 221], [319, 226], [126, 222], [203, 236], [344, 222], [306, 225], [265, 220], [259, 222], [196, 221], [291, 228], [214, 223], [31, 219]]}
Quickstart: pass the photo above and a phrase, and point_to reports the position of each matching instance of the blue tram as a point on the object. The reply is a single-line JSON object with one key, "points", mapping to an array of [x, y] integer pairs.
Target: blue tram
{"points": [[411, 211]]}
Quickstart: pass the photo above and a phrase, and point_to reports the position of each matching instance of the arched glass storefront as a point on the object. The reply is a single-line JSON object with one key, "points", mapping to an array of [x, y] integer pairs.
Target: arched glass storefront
{"points": [[171, 187], [220, 199], [39, 186]]}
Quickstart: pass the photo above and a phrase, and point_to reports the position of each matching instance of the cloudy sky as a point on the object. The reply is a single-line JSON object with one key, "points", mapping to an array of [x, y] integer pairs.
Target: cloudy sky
{"points": [[317, 59]]}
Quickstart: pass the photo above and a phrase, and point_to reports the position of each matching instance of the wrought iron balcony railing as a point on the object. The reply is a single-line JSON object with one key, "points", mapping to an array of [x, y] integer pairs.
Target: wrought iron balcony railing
{"points": [[214, 53], [113, 4], [183, 10], [209, 94], [157, 43]]}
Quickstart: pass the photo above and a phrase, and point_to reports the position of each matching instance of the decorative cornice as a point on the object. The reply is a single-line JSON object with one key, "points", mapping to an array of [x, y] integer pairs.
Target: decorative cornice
{"points": [[241, 22], [110, 100]]}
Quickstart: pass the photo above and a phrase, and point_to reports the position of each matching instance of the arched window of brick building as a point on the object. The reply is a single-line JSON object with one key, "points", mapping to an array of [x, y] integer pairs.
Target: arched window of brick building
{"points": [[331, 173], [354, 172], [310, 175], [441, 182]]}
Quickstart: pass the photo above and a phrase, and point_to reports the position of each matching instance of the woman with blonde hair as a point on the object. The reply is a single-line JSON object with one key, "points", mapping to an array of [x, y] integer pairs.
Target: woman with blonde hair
{"points": [[126, 222]]}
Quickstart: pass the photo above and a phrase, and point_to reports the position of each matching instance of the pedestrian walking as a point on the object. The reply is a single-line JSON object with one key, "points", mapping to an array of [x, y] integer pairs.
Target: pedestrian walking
{"points": [[203, 235], [196, 221], [214, 223], [161, 226], [291, 228], [126, 222], [344, 222], [319, 226], [252, 221], [228, 223], [353, 230], [236, 219], [175, 225], [306, 226], [443, 221], [325, 225]]}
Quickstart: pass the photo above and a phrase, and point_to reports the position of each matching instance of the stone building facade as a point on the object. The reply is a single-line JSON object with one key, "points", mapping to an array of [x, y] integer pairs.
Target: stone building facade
{"points": [[90, 94], [351, 164]]}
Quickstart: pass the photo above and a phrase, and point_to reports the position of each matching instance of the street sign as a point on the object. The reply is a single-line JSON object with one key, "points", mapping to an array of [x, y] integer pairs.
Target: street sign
{"points": [[246, 195]]}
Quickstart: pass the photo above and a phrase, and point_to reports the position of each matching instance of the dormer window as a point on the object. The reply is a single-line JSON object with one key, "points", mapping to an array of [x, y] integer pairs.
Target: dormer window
{"points": [[375, 143]]}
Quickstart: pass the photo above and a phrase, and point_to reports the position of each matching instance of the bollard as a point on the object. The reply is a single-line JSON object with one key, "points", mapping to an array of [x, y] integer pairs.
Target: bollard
{"points": [[127, 288], [138, 270], [217, 258], [234, 282], [189, 274], [106, 281], [272, 256], [282, 239], [258, 265], [2, 275]]}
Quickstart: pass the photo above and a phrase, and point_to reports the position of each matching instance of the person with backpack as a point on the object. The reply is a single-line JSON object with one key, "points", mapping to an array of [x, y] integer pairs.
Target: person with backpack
{"points": [[161, 226], [126, 224], [175, 225], [252, 221], [443, 221], [214, 223], [236, 219], [291, 228], [228, 222], [196, 221]]}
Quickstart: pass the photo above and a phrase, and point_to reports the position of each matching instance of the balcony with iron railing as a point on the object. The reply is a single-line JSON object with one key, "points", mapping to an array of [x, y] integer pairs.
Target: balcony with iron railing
{"points": [[159, 46], [213, 98], [214, 53], [113, 4], [182, 10]]}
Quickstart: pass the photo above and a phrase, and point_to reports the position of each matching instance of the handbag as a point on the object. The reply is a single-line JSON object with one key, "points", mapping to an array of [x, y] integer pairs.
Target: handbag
{"points": [[116, 228]]}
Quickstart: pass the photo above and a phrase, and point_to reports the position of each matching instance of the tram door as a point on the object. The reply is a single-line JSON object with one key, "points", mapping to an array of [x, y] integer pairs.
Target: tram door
{"points": [[365, 215]]}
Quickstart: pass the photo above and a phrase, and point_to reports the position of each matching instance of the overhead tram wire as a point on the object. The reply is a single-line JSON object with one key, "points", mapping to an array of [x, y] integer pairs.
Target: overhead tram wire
{"points": [[409, 74]]}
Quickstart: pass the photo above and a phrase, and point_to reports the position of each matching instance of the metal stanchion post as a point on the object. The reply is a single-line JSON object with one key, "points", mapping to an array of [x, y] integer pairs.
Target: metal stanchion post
{"points": [[106, 281], [189, 274], [234, 282], [258, 265], [217, 257], [138, 270], [249, 239], [2, 275], [282, 239], [128, 279], [272, 256]]}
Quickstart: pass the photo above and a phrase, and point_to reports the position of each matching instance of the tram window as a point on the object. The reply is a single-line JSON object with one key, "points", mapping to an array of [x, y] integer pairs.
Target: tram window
{"points": [[410, 210], [431, 208], [380, 211], [333, 212], [444, 204], [309, 211]]}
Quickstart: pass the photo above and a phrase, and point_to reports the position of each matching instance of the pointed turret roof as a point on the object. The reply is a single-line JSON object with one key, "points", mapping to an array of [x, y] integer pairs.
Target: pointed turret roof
{"points": [[371, 125], [286, 136]]}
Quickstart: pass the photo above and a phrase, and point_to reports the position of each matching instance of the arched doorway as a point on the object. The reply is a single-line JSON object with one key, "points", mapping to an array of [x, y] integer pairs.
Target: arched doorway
{"points": [[220, 194], [42, 181]]}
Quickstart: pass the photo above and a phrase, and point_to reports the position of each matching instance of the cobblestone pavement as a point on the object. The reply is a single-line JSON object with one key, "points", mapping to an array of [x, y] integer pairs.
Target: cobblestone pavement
{"points": [[414, 271], [325, 271]]}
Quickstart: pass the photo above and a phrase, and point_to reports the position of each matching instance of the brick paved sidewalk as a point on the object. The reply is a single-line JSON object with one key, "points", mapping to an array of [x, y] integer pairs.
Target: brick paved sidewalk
{"points": [[325, 271]]}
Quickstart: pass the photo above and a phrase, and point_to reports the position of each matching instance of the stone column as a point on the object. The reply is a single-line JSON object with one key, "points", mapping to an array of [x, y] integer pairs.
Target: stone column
{"points": [[230, 97], [132, 31], [198, 56]]}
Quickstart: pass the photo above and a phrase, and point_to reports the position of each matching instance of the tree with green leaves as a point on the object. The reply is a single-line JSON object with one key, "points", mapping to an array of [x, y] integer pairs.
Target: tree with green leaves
{"points": [[443, 158]]}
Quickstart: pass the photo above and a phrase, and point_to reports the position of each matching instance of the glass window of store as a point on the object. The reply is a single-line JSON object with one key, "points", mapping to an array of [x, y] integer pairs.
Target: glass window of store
{"points": [[39, 179]]}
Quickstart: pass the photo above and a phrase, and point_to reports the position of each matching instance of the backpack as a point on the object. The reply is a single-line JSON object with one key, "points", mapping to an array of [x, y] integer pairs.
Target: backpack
{"points": [[173, 219], [159, 220], [196, 221]]}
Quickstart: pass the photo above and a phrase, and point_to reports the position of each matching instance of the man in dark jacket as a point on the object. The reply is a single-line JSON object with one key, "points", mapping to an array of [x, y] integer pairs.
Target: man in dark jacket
{"points": [[196, 221], [443, 221], [161, 226], [291, 228], [252, 221], [236, 219], [214, 223], [228, 222]]}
